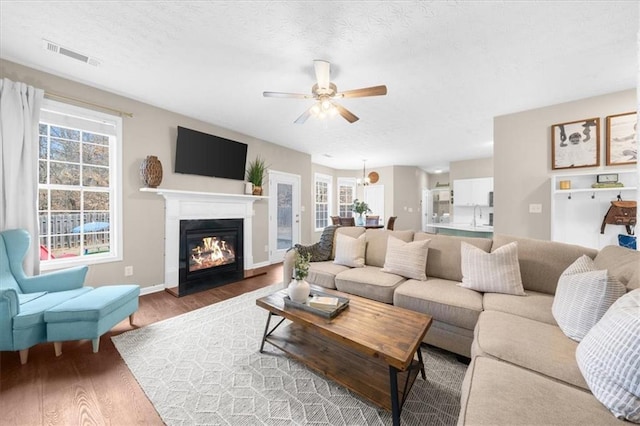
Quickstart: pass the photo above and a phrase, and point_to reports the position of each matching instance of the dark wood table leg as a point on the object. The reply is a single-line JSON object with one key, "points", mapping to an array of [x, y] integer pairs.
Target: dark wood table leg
{"points": [[395, 403]]}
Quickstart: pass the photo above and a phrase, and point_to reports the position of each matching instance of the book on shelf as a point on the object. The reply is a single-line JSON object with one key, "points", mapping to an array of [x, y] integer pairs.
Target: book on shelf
{"points": [[325, 303]]}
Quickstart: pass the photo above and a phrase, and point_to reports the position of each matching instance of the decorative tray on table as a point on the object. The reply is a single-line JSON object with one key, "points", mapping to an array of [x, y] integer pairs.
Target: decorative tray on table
{"points": [[326, 310]]}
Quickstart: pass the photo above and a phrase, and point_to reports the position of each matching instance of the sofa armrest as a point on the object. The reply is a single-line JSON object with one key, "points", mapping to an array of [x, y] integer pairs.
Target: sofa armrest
{"points": [[9, 308], [66, 279]]}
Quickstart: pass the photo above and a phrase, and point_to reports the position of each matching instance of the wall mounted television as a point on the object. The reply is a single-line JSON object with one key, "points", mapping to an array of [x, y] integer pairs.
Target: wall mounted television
{"points": [[202, 154]]}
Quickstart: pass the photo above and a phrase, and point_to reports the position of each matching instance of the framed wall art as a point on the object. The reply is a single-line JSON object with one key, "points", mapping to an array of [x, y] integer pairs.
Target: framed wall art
{"points": [[622, 146], [575, 144]]}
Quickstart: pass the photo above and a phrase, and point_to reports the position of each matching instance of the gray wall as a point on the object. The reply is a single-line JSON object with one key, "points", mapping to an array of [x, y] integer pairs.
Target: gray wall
{"points": [[469, 169], [522, 159], [152, 131], [408, 183]]}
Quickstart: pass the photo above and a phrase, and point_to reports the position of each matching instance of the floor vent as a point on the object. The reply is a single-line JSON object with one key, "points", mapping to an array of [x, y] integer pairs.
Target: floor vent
{"points": [[56, 48]]}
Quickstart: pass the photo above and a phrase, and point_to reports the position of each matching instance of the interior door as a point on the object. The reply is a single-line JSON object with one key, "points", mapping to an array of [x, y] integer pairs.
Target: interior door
{"points": [[374, 197], [284, 214]]}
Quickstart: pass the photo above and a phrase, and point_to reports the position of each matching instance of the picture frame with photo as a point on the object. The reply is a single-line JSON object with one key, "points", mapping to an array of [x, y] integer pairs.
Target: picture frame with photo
{"points": [[575, 144], [622, 145]]}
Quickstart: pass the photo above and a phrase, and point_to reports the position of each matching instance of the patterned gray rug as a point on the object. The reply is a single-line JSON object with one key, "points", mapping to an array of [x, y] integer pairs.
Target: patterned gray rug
{"points": [[203, 367]]}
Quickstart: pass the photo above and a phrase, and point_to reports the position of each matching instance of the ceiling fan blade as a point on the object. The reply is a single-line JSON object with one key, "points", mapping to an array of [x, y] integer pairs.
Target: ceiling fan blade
{"points": [[367, 91], [323, 73], [285, 95], [303, 117], [348, 115]]}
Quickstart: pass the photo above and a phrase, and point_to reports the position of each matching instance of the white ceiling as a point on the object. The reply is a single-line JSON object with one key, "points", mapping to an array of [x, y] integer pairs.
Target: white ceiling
{"points": [[450, 67]]}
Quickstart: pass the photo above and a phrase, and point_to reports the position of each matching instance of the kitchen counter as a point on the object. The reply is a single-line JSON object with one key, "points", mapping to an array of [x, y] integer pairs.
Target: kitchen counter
{"points": [[462, 229]]}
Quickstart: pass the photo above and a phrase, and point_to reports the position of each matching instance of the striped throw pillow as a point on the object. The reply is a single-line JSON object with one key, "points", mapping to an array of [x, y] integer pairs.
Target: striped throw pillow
{"points": [[609, 358], [496, 272], [583, 296], [350, 251], [406, 259]]}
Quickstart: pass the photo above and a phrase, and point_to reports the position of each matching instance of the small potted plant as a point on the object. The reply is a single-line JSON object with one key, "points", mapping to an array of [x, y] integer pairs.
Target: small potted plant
{"points": [[256, 172], [298, 288], [361, 208]]}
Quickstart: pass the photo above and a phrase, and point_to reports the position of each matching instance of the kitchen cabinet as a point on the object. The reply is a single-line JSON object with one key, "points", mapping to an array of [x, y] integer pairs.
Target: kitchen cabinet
{"points": [[471, 192]]}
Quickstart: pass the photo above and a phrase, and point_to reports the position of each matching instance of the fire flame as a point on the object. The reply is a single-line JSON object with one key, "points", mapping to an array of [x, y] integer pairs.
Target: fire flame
{"points": [[212, 252]]}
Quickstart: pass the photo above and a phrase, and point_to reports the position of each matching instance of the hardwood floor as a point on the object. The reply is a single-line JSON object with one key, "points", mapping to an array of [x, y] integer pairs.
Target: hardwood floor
{"points": [[83, 388]]}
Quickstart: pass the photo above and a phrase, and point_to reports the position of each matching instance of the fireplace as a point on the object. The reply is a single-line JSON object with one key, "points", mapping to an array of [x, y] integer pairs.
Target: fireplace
{"points": [[211, 254]]}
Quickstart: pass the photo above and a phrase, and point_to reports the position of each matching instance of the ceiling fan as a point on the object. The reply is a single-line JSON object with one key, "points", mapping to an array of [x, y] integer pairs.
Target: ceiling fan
{"points": [[325, 93]]}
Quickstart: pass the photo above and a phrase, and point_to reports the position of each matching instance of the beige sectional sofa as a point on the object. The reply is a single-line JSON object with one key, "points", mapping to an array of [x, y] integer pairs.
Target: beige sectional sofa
{"points": [[523, 368]]}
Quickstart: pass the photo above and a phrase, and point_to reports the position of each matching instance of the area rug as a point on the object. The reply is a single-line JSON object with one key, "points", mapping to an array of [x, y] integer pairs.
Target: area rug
{"points": [[204, 368]]}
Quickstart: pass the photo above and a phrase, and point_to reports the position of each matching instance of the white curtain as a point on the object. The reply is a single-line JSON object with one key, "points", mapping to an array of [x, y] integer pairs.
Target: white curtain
{"points": [[19, 117]]}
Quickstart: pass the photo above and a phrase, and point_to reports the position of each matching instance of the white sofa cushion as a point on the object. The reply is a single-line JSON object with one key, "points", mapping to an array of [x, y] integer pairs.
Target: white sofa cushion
{"points": [[609, 358], [406, 259], [583, 296], [350, 251], [495, 272]]}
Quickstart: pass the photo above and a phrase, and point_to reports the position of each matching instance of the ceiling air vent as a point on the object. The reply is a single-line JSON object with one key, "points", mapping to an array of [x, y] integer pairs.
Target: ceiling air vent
{"points": [[56, 48]]}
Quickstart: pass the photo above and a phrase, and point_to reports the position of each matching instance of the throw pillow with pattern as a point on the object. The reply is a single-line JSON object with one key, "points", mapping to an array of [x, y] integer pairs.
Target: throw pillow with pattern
{"points": [[583, 296]]}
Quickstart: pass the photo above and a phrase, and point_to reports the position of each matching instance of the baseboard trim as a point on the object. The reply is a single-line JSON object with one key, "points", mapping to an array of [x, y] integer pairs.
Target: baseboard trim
{"points": [[151, 289]]}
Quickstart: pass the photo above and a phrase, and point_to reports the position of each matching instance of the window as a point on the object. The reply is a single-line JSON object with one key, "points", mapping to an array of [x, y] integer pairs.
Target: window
{"points": [[346, 195], [79, 189], [323, 200]]}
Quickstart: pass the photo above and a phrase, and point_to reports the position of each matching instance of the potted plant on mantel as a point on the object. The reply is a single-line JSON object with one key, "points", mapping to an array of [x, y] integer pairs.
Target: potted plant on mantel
{"points": [[361, 208], [256, 173]]}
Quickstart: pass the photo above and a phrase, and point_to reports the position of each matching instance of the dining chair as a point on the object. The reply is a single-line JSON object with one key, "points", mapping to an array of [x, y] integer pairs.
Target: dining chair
{"points": [[391, 222], [347, 221], [372, 220]]}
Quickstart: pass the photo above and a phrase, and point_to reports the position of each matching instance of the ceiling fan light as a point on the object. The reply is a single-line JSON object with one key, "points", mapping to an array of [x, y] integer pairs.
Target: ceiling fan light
{"points": [[315, 110], [333, 111], [326, 105]]}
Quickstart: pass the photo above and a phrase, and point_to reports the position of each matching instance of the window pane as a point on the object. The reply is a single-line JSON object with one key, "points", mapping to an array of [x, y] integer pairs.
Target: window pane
{"points": [[321, 215], [65, 200], [65, 174], [285, 216], [65, 150], [63, 132], [43, 199], [96, 200], [42, 171], [95, 176], [94, 138], [43, 147], [42, 129], [95, 154]]}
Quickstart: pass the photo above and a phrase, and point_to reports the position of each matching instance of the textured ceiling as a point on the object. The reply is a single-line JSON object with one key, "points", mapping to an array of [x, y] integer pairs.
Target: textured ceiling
{"points": [[450, 67]]}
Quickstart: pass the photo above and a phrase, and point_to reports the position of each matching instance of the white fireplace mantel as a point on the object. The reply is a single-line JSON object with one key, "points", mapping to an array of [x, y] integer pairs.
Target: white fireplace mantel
{"points": [[192, 205]]}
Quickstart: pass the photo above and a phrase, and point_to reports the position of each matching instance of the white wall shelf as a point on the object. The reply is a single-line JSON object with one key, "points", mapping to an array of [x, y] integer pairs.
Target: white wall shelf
{"points": [[577, 213]]}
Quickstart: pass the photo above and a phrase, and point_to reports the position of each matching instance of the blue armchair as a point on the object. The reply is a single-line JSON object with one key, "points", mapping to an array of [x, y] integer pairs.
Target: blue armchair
{"points": [[23, 299]]}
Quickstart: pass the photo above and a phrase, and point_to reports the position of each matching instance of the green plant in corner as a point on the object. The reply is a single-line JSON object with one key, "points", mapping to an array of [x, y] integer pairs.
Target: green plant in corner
{"points": [[301, 266], [256, 172]]}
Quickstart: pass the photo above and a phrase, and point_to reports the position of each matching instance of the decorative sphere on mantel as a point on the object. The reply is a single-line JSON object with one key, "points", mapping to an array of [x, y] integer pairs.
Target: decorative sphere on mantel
{"points": [[151, 171]]}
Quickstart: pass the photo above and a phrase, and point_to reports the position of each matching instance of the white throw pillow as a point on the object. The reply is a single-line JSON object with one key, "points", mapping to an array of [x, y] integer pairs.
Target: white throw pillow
{"points": [[583, 296], [406, 259], [350, 251], [496, 272], [609, 358]]}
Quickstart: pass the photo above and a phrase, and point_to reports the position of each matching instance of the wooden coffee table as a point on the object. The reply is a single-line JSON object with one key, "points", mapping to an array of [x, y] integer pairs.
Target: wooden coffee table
{"points": [[369, 348]]}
